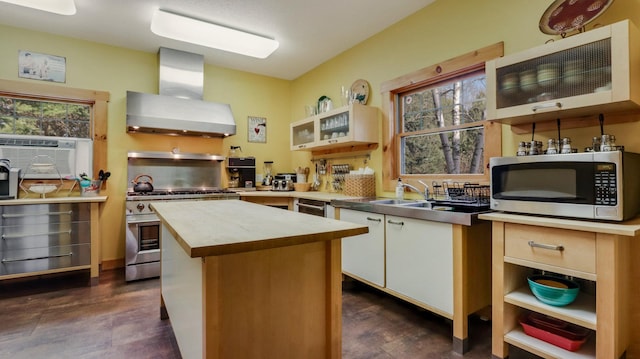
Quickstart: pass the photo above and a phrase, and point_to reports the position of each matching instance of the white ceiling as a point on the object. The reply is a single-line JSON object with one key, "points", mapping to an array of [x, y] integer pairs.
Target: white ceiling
{"points": [[309, 32]]}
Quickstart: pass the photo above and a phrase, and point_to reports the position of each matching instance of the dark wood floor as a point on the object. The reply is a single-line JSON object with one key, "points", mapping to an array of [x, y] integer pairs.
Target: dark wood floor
{"points": [[61, 317]]}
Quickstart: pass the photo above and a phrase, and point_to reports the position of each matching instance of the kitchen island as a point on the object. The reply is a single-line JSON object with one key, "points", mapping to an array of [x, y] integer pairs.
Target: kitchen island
{"points": [[242, 280]]}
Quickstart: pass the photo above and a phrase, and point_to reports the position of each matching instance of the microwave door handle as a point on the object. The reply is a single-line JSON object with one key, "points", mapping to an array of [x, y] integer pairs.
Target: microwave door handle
{"points": [[553, 247]]}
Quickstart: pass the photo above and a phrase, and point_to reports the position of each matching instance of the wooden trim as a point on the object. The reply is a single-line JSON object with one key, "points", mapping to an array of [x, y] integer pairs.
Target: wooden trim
{"points": [[334, 299], [112, 264], [466, 63]]}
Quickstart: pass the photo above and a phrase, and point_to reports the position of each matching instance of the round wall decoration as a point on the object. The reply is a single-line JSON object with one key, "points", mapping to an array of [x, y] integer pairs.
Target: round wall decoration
{"points": [[564, 16], [360, 91]]}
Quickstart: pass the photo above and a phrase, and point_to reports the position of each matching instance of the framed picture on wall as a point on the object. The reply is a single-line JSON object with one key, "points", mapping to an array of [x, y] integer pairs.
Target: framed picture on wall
{"points": [[257, 129], [32, 65]]}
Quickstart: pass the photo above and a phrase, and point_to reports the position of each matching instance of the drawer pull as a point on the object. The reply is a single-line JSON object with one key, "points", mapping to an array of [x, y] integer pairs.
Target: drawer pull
{"points": [[547, 106], [394, 222], [374, 219], [9, 260], [20, 215], [553, 247], [13, 236]]}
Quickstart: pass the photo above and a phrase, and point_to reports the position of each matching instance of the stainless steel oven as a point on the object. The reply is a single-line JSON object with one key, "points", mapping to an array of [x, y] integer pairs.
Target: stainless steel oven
{"points": [[174, 176], [311, 206]]}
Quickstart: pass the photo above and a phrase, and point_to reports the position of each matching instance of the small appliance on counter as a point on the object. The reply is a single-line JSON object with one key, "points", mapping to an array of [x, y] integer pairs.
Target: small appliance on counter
{"points": [[284, 182], [9, 179], [242, 172]]}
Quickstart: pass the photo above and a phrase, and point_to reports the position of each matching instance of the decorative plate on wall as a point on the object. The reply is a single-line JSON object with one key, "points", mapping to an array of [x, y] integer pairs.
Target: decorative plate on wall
{"points": [[564, 16], [360, 91]]}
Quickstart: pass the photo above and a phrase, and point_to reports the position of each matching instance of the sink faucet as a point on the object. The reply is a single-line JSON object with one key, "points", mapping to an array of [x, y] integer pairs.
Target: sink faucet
{"points": [[415, 189]]}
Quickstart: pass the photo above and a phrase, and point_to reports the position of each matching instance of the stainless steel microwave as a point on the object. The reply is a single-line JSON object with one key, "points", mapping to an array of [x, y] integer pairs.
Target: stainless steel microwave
{"points": [[593, 185]]}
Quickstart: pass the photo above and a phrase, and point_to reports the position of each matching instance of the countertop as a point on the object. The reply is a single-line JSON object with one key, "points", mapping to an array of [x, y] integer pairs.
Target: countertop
{"points": [[209, 228], [320, 196], [366, 205], [74, 199], [629, 228]]}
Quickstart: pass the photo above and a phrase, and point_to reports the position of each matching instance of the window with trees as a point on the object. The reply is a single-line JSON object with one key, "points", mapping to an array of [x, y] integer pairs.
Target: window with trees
{"points": [[33, 108], [47, 118], [435, 124]]}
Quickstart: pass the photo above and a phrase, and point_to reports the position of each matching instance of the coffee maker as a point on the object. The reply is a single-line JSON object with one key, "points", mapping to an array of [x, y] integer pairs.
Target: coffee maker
{"points": [[9, 179], [242, 172]]}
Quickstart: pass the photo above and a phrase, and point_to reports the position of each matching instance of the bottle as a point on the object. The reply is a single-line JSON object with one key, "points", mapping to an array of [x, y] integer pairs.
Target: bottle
{"points": [[400, 189]]}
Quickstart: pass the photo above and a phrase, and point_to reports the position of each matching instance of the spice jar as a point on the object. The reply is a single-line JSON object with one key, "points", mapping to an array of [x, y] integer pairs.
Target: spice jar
{"points": [[566, 146], [608, 143], [522, 149], [552, 146]]}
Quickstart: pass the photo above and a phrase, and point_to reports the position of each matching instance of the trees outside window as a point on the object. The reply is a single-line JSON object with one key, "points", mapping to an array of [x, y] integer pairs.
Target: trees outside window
{"points": [[435, 125]]}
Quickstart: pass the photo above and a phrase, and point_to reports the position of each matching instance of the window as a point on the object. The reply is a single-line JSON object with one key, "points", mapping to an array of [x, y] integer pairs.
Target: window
{"points": [[435, 125], [434, 132], [36, 117], [35, 105]]}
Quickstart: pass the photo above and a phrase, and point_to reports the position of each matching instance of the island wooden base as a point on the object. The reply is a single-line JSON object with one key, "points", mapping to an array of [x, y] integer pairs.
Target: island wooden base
{"points": [[275, 303]]}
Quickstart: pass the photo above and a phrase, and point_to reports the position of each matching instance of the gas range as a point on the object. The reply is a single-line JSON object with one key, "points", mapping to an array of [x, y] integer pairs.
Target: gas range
{"points": [[138, 202]]}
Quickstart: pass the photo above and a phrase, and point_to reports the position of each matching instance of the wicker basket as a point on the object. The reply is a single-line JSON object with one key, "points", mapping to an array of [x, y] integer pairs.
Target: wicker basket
{"points": [[360, 185]]}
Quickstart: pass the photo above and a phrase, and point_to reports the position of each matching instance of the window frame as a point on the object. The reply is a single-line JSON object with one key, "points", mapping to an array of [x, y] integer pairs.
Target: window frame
{"points": [[467, 63], [46, 92]]}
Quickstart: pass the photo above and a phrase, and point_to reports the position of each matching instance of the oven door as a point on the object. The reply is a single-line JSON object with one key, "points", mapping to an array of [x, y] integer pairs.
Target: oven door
{"points": [[142, 252], [312, 207]]}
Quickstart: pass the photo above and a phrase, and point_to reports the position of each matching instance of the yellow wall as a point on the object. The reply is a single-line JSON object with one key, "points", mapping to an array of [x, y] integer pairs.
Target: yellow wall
{"points": [[443, 30], [116, 70]]}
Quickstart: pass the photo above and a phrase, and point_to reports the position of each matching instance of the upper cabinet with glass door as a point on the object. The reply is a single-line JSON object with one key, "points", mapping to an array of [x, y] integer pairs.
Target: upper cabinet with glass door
{"points": [[597, 71], [350, 125]]}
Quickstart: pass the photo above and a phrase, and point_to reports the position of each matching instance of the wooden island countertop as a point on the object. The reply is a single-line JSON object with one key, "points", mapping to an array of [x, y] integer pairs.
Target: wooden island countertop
{"points": [[242, 280]]}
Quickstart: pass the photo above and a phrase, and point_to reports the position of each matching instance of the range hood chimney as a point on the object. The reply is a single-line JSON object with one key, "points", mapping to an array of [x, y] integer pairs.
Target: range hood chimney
{"points": [[179, 108]]}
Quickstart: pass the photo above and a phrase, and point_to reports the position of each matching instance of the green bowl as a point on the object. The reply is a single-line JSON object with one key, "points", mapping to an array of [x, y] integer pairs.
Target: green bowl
{"points": [[553, 290]]}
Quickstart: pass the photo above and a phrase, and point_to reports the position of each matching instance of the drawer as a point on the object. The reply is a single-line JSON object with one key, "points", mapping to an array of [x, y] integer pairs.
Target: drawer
{"points": [[30, 214], [536, 244], [43, 259], [44, 235]]}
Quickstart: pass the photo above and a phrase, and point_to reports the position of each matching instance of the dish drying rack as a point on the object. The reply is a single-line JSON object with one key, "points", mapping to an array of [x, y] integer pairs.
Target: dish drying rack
{"points": [[42, 166], [461, 195]]}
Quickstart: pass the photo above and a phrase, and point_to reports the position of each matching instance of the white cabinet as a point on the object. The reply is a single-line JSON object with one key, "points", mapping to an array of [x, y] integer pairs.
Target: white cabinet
{"points": [[420, 261], [350, 125], [363, 255], [597, 71]]}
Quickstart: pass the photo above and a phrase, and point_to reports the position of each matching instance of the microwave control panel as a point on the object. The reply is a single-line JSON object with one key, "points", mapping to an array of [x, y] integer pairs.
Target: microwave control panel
{"points": [[606, 186]]}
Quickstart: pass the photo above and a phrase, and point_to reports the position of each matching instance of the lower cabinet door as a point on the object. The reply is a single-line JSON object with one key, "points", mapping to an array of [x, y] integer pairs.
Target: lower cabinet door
{"points": [[363, 255], [420, 261]]}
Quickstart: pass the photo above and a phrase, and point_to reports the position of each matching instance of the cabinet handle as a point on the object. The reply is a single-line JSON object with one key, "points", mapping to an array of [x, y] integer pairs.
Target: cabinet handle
{"points": [[553, 247], [9, 260], [5, 236], [394, 222], [333, 141], [20, 215], [301, 146], [547, 106], [374, 219]]}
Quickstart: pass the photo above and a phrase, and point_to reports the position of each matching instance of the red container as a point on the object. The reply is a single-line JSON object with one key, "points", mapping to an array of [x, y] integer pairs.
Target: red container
{"points": [[559, 333]]}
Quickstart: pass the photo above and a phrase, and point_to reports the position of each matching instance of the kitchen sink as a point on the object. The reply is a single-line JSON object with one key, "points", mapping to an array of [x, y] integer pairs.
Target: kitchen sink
{"points": [[426, 205]]}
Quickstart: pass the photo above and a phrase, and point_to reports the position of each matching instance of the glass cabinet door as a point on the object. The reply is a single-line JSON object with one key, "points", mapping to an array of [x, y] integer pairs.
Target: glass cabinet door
{"points": [[303, 134], [335, 127], [577, 71]]}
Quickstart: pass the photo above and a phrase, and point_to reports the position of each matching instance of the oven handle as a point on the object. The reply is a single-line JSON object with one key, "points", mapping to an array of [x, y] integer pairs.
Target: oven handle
{"points": [[311, 206], [140, 221]]}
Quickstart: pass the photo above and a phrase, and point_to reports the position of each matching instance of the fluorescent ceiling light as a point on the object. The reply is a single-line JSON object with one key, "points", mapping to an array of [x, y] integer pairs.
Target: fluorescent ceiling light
{"points": [[198, 32], [61, 7]]}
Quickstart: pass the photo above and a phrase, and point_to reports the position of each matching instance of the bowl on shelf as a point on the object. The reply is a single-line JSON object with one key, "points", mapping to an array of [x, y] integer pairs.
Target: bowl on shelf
{"points": [[552, 290], [302, 186]]}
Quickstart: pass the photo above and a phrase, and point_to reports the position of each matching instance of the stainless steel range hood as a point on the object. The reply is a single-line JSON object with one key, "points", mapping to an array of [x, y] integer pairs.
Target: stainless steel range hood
{"points": [[179, 108]]}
